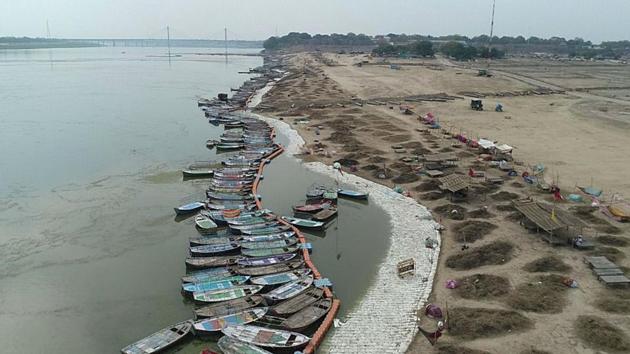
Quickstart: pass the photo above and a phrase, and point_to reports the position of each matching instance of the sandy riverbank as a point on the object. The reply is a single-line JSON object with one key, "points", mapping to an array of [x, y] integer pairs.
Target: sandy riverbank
{"points": [[389, 299], [346, 112]]}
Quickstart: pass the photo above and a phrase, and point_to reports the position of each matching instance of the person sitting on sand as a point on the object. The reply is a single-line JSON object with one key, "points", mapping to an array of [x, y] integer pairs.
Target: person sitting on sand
{"points": [[433, 336]]}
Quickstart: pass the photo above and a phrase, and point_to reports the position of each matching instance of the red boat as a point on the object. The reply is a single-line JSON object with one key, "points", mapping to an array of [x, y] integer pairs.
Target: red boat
{"points": [[311, 208]]}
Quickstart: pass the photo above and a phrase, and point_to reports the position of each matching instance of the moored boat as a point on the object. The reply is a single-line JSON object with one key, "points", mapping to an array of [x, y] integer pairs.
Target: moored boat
{"points": [[224, 283], [264, 261], [206, 250], [266, 337], [266, 252], [308, 315], [189, 208], [295, 304], [235, 319], [160, 340], [204, 222], [229, 307], [325, 214], [209, 274], [289, 290], [270, 269], [209, 262], [308, 224], [226, 294], [284, 242], [281, 278], [230, 345], [352, 194]]}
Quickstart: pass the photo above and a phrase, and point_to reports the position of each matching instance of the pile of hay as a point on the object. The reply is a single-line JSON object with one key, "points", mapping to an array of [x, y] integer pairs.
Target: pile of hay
{"points": [[613, 254], [481, 213], [597, 332], [451, 211], [407, 177], [504, 196], [547, 264], [498, 252], [429, 185], [546, 294], [482, 286], [612, 241], [473, 323], [614, 301], [472, 230]]}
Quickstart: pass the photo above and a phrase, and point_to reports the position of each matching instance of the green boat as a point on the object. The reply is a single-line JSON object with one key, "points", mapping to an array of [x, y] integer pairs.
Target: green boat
{"points": [[226, 294], [269, 244], [309, 224], [266, 252]]}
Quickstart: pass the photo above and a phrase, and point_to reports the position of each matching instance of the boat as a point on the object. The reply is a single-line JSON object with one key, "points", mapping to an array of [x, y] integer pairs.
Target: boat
{"points": [[270, 269], [233, 346], [225, 283], [205, 250], [295, 304], [268, 237], [308, 224], [189, 208], [267, 230], [204, 222], [160, 340], [264, 261], [308, 315], [229, 307], [310, 208], [256, 226], [325, 214], [228, 196], [209, 274], [281, 278], [352, 194], [315, 192], [266, 252], [235, 319], [212, 240], [266, 337], [330, 194], [283, 242], [226, 294], [210, 143], [208, 262], [198, 173], [289, 290]]}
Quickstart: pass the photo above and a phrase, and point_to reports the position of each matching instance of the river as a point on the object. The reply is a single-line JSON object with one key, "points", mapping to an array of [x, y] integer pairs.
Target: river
{"points": [[93, 141]]}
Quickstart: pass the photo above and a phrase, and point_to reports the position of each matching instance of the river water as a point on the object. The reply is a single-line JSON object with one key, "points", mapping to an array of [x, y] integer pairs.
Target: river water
{"points": [[92, 142]]}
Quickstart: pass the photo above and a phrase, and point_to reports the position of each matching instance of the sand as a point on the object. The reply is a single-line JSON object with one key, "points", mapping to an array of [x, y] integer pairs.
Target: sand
{"points": [[579, 136]]}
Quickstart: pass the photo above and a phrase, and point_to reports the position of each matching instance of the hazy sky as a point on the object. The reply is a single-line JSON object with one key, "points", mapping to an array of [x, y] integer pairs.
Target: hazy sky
{"points": [[595, 20]]}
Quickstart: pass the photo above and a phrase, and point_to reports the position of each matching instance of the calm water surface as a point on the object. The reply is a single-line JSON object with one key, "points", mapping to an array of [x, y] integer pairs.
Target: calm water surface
{"points": [[92, 144]]}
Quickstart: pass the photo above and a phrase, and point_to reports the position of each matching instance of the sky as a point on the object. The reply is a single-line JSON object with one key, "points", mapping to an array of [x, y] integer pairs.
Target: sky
{"points": [[594, 20]]}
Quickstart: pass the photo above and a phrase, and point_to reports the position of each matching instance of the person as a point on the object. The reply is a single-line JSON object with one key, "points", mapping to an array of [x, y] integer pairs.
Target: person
{"points": [[433, 337], [579, 241]]}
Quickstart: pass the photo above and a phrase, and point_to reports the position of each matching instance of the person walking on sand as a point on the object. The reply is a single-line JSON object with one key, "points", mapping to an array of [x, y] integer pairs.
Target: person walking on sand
{"points": [[432, 337]]}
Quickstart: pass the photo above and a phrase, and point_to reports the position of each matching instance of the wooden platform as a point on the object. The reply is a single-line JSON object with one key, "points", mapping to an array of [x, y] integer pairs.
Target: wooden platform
{"points": [[615, 280], [600, 263]]}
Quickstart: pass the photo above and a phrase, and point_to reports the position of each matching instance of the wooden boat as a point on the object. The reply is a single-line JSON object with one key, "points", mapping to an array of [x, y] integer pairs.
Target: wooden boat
{"points": [[268, 237], [283, 242], [189, 208], [266, 337], [270, 269], [249, 220], [330, 195], [308, 315], [160, 340], [229, 307], [325, 214], [204, 222], [256, 226], [208, 262], [226, 294], [231, 205], [224, 283], [267, 230], [348, 193], [264, 261], [210, 143], [233, 346], [229, 146], [289, 290], [308, 224], [212, 240], [281, 278], [266, 252], [297, 303], [205, 250], [197, 173], [228, 196], [235, 319], [315, 192], [209, 274], [310, 208]]}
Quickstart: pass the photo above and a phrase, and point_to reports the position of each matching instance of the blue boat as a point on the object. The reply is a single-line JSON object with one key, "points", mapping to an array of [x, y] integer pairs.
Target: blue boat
{"points": [[225, 283], [189, 208], [265, 261], [348, 193], [266, 230]]}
